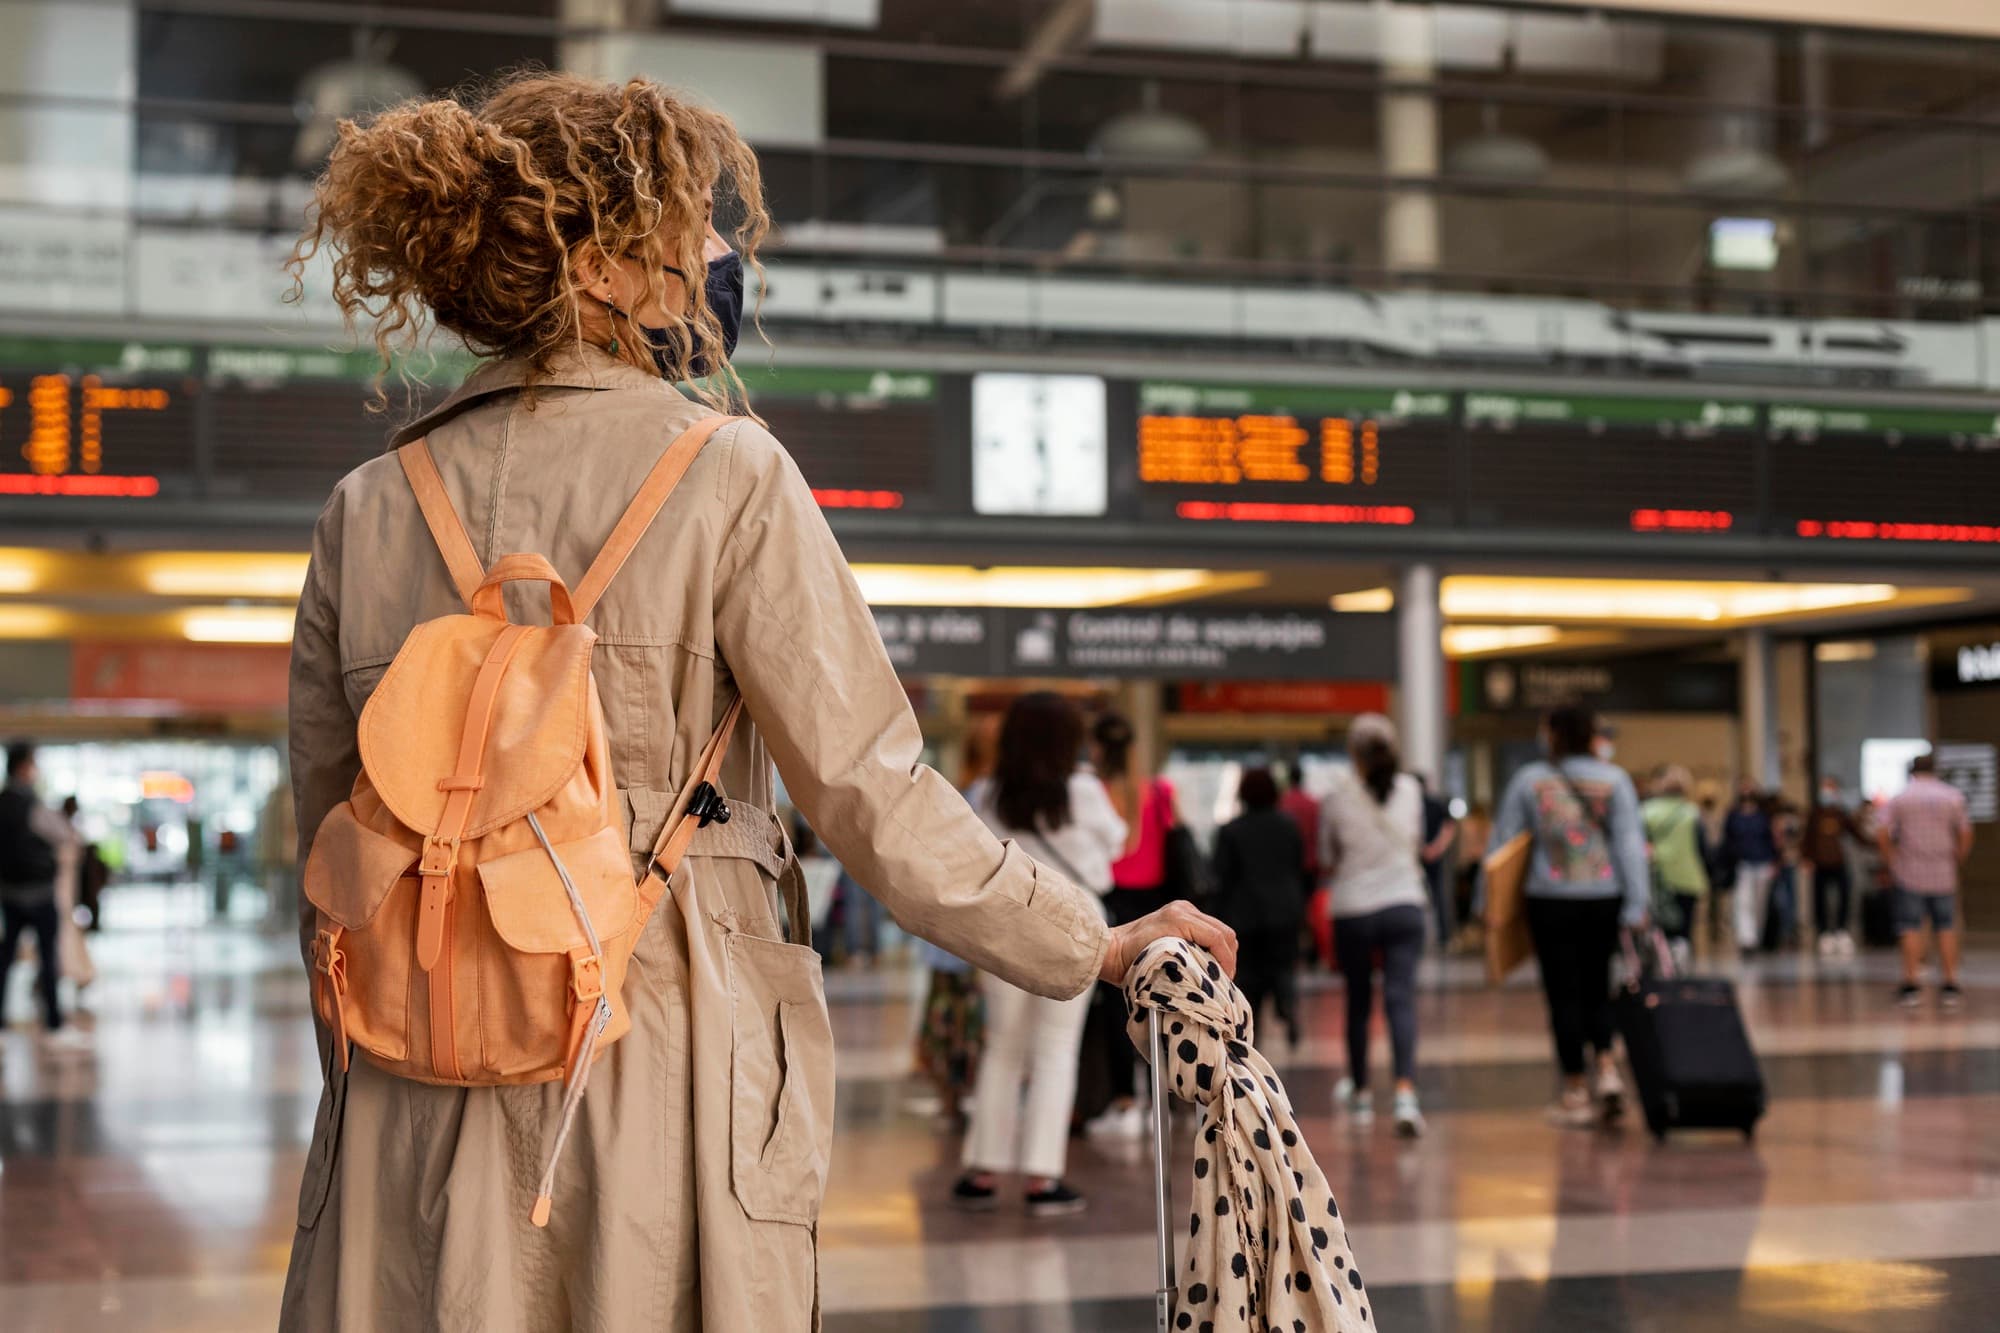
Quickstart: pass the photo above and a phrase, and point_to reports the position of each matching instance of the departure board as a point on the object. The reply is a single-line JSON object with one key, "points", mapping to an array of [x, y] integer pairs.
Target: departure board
{"points": [[96, 419], [864, 438], [1294, 454], [289, 423], [1667, 466], [1885, 473]]}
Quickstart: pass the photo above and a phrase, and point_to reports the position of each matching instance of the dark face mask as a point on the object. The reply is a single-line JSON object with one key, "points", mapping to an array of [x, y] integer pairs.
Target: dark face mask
{"points": [[724, 289]]}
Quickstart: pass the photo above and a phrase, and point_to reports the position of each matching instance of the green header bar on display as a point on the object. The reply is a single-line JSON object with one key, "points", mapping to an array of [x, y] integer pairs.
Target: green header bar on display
{"points": [[1505, 411], [445, 366], [858, 384], [1173, 397], [1807, 420], [93, 357]]}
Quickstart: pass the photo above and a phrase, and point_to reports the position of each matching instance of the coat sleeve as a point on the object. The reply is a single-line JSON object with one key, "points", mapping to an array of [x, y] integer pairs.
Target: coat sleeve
{"points": [[324, 745], [793, 629]]}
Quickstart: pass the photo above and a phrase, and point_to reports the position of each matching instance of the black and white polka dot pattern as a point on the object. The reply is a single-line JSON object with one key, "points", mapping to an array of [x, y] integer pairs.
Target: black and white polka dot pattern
{"points": [[1266, 1246]]}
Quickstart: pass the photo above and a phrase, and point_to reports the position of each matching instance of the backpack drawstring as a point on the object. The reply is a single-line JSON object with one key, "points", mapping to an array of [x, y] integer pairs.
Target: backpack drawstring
{"points": [[579, 1077], [586, 986]]}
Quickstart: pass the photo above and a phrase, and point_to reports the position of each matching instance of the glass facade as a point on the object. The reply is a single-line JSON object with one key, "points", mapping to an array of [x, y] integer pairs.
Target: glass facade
{"points": [[1574, 155]]}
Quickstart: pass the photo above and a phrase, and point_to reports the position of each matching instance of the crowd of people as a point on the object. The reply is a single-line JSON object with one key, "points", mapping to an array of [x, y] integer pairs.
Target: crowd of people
{"points": [[1358, 877]]}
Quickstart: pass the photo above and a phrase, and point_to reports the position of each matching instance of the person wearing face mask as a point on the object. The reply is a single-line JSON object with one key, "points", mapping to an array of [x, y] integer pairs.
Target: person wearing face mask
{"points": [[562, 229]]}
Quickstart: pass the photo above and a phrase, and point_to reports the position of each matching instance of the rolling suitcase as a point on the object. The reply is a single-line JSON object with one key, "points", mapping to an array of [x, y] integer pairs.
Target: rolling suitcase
{"points": [[1878, 918], [1690, 1055]]}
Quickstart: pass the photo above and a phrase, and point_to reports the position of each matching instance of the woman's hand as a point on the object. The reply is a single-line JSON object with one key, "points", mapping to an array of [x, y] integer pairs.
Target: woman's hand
{"points": [[1179, 919]]}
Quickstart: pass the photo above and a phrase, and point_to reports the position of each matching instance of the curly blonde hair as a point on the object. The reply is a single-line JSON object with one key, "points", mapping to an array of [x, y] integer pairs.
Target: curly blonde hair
{"points": [[474, 218]]}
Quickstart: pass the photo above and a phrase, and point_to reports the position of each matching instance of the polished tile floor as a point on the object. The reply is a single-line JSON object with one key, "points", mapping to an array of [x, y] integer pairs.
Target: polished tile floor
{"points": [[149, 1185]]}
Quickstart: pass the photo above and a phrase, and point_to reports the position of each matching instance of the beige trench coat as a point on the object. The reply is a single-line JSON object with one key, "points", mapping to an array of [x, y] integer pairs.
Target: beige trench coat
{"points": [[689, 1193]]}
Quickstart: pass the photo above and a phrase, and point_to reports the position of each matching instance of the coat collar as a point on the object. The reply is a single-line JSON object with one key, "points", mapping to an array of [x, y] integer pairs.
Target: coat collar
{"points": [[582, 366]]}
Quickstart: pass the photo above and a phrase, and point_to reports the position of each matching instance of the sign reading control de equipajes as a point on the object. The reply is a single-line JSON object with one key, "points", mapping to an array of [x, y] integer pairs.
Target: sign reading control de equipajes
{"points": [[1237, 643]]}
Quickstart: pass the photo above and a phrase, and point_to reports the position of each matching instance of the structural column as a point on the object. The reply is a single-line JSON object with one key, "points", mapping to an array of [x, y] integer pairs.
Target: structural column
{"points": [[1755, 688], [1408, 122], [1420, 650]]}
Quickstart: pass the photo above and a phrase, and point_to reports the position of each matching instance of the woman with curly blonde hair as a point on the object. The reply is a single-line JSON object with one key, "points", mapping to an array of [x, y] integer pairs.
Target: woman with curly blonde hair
{"points": [[562, 229]]}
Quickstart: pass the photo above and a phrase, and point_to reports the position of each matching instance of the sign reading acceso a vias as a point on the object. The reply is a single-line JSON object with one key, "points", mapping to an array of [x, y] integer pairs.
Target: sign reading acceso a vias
{"points": [[1179, 642]]}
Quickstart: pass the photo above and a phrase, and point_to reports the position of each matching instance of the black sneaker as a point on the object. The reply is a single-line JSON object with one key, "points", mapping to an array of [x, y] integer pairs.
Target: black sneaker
{"points": [[1909, 995], [974, 1197], [1950, 996], [1058, 1200]]}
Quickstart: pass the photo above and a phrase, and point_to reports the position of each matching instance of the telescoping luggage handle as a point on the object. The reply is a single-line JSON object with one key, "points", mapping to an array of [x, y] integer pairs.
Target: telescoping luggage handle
{"points": [[1163, 1195], [1635, 964]]}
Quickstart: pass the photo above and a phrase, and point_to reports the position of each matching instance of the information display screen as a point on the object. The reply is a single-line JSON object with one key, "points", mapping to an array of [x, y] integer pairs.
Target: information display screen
{"points": [[1884, 473], [1265, 453], [96, 419], [864, 438], [105, 420], [1658, 465], [288, 424]]}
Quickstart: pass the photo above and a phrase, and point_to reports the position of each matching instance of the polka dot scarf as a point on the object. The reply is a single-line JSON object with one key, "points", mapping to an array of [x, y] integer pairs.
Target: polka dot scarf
{"points": [[1266, 1249]]}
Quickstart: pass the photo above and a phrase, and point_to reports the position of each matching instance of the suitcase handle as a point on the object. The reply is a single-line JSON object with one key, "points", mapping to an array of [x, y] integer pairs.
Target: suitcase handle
{"points": [[1163, 1194], [1663, 957]]}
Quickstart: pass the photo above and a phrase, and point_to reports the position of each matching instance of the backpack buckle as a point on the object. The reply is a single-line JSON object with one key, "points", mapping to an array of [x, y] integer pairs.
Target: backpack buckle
{"points": [[330, 960], [586, 978], [439, 856], [707, 806]]}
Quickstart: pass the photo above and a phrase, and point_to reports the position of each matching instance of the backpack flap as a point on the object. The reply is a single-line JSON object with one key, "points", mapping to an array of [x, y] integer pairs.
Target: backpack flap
{"points": [[525, 894], [410, 735], [352, 868]]}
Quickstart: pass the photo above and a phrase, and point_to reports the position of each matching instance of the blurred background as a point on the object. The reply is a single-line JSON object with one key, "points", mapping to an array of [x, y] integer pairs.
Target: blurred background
{"points": [[1239, 366]]}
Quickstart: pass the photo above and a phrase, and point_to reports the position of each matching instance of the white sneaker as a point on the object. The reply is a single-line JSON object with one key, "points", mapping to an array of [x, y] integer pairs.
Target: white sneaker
{"points": [[67, 1041], [1829, 944], [1574, 1109], [1129, 1123], [1409, 1116], [1847, 944], [1610, 1092], [1356, 1102]]}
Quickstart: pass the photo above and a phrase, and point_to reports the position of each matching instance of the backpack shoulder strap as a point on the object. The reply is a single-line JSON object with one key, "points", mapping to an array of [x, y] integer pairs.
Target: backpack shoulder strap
{"points": [[459, 557], [638, 515], [690, 810]]}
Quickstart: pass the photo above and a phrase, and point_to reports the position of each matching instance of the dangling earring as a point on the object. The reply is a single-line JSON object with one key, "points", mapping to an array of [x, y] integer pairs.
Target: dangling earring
{"points": [[613, 308]]}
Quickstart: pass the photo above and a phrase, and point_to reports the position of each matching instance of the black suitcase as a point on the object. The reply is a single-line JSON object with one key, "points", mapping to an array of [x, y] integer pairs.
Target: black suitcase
{"points": [[1878, 918], [1690, 1056]]}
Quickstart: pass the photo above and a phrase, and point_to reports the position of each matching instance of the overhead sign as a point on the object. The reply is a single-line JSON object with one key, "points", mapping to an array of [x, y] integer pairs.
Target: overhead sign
{"points": [[1234, 643], [939, 641], [1975, 770], [1968, 663], [223, 677], [1629, 685], [1284, 696]]}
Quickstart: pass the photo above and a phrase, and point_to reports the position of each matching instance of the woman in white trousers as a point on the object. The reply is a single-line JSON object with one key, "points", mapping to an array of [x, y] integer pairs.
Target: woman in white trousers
{"points": [[1059, 812]]}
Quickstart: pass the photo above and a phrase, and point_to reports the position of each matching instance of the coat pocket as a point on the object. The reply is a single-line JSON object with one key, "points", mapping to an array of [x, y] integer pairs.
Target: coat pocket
{"points": [[781, 1080]]}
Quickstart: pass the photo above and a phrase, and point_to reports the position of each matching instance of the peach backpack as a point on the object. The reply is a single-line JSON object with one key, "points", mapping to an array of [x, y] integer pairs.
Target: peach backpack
{"points": [[475, 901]]}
